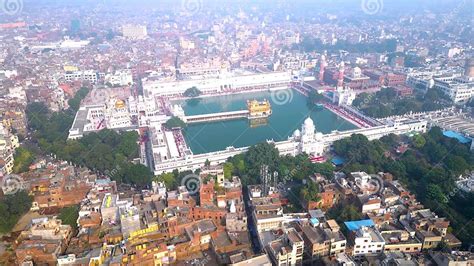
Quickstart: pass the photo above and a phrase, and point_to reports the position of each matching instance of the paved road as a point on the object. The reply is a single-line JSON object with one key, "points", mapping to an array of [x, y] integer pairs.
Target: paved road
{"points": [[257, 249]]}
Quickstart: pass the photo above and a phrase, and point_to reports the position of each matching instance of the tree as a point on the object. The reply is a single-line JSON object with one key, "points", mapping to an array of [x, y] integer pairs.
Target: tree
{"points": [[434, 192], [325, 169], [259, 155], [23, 159], [362, 99], [75, 102], [138, 175], [429, 170], [192, 92], [456, 164], [228, 170], [169, 179], [436, 134], [69, 216], [419, 141], [310, 192], [390, 140], [344, 212], [175, 122], [12, 207], [207, 163], [105, 151]]}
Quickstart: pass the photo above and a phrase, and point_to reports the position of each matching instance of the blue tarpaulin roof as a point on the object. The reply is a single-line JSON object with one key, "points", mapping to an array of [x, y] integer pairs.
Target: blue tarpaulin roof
{"points": [[355, 225], [337, 160], [455, 135]]}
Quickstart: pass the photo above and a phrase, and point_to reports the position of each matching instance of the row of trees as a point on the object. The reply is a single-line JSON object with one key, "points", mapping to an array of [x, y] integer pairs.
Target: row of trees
{"points": [[106, 151], [430, 169], [248, 167], [173, 180], [386, 103], [288, 168]]}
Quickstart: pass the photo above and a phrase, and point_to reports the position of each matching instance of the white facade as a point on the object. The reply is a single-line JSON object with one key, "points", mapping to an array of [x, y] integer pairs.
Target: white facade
{"points": [[368, 242], [309, 141], [17, 93], [233, 83], [337, 246], [120, 78], [9, 73], [8, 145], [458, 89], [134, 31], [88, 75], [344, 96], [287, 251], [312, 143], [70, 44], [112, 115]]}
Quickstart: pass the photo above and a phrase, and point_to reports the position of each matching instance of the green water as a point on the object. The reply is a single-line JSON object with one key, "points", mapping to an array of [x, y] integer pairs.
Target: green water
{"points": [[287, 116]]}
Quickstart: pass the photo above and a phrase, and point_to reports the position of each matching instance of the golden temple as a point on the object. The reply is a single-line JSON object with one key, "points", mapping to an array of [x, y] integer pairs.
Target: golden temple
{"points": [[259, 109]]}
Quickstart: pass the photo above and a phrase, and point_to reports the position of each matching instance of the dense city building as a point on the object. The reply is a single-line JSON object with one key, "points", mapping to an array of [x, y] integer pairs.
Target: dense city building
{"points": [[236, 133]]}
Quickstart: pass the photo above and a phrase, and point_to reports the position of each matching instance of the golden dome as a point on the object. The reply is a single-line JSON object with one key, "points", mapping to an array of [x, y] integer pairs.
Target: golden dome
{"points": [[119, 104]]}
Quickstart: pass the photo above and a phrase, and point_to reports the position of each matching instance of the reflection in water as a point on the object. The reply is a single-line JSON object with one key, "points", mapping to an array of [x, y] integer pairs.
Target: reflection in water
{"points": [[257, 122], [285, 118]]}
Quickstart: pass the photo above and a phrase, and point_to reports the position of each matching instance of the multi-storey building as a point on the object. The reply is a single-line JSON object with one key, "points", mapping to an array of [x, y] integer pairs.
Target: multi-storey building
{"points": [[233, 83], [134, 31], [120, 78], [129, 219], [43, 242], [287, 251], [323, 239], [400, 241], [88, 75], [114, 114], [8, 145], [427, 226], [367, 241], [458, 89], [13, 117]]}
